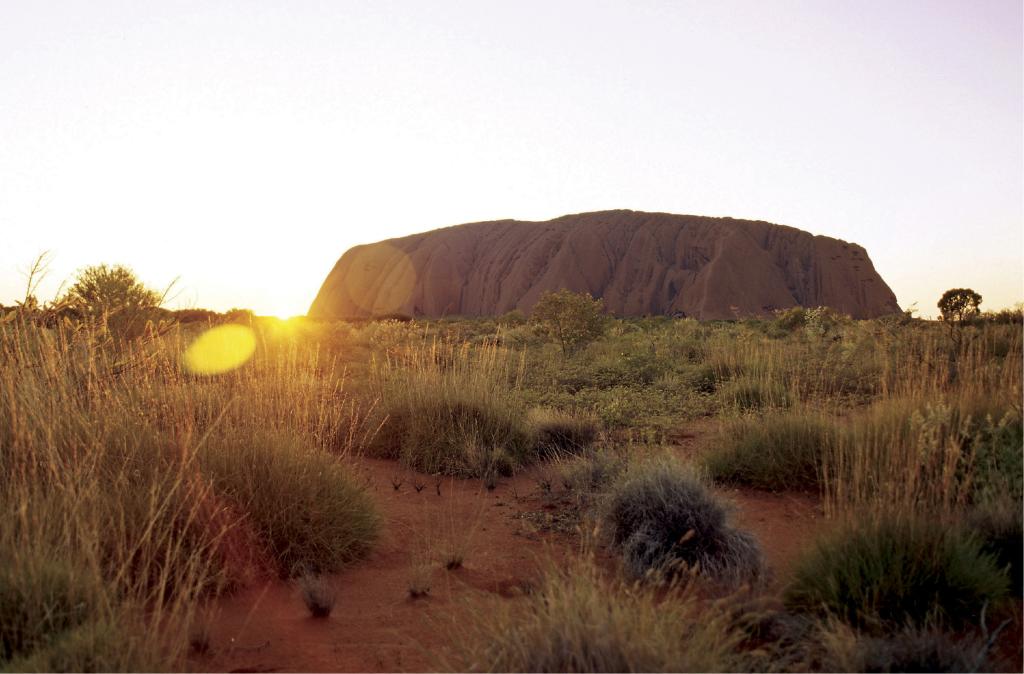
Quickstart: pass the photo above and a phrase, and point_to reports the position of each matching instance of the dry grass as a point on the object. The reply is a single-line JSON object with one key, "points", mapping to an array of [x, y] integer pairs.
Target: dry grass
{"points": [[134, 490], [558, 433], [937, 453], [578, 620], [774, 452], [120, 465], [840, 648], [452, 408]]}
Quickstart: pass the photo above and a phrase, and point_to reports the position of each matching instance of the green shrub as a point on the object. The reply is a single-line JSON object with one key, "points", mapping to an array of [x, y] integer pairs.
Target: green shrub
{"points": [[820, 322], [781, 451], [115, 297], [997, 441], [577, 621], [572, 319], [626, 368], [893, 571], [655, 409], [662, 516], [301, 502], [512, 318]]}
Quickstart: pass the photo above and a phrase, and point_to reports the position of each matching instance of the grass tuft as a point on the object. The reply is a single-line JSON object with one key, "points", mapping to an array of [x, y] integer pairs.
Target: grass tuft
{"points": [[559, 432], [777, 452], [302, 503], [840, 648], [894, 571], [452, 410], [663, 515], [749, 393], [578, 621], [318, 595]]}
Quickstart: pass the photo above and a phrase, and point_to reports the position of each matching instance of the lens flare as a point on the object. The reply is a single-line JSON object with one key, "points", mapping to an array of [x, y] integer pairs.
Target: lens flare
{"points": [[220, 349], [381, 279]]}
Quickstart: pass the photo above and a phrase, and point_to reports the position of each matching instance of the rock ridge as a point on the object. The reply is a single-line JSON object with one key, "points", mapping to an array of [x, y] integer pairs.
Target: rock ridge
{"points": [[640, 263]]}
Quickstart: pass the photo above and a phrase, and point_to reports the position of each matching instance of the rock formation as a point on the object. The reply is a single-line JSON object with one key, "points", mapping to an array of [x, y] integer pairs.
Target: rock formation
{"points": [[640, 263]]}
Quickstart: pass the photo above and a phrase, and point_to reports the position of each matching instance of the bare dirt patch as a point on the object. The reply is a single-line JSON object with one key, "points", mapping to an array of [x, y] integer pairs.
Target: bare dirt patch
{"points": [[377, 624], [395, 609]]}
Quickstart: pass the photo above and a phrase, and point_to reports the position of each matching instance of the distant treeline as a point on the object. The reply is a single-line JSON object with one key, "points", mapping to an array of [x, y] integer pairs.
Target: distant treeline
{"points": [[50, 315]]}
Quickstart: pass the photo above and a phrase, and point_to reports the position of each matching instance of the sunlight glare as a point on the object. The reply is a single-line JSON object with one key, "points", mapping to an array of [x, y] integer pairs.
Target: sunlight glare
{"points": [[220, 349]]}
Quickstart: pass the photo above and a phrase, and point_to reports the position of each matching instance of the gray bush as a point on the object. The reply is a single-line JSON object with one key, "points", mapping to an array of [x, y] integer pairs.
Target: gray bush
{"points": [[663, 518]]}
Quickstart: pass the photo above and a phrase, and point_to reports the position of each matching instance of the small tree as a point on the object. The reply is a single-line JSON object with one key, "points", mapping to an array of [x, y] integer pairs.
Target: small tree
{"points": [[113, 295], [573, 319], [109, 290], [959, 305]]}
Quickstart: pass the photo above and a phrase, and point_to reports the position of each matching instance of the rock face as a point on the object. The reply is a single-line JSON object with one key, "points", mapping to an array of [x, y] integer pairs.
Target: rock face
{"points": [[640, 263]]}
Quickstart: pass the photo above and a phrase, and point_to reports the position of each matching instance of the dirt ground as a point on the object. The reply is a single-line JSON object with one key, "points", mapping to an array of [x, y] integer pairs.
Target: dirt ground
{"points": [[377, 625]]}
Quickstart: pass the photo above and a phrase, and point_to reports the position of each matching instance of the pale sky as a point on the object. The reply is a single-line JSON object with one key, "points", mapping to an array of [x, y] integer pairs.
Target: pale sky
{"points": [[244, 146]]}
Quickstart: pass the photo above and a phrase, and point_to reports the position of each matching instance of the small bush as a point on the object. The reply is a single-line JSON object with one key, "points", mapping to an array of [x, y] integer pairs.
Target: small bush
{"points": [[662, 516], [301, 502], [1009, 316], [893, 571], [781, 451], [572, 319], [998, 446], [114, 296], [561, 432], [577, 621], [624, 368]]}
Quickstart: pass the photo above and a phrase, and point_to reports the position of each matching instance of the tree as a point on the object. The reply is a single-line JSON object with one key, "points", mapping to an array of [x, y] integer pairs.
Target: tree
{"points": [[959, 304], [573, 319], [103, 290], [113, 295]]}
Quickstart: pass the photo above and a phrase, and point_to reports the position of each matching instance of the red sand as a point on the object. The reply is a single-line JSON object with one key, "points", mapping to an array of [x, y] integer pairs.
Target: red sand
{"points": [[377, 626]]}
